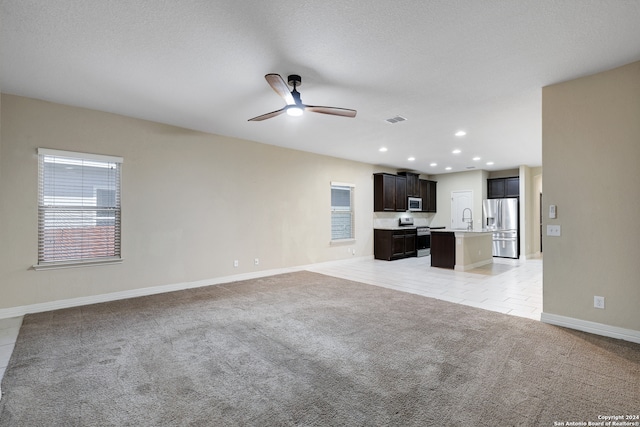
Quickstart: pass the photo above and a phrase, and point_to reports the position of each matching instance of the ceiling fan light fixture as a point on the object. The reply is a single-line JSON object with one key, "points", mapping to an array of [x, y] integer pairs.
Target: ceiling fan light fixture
{"points": [[294, 111], [293, 104]]}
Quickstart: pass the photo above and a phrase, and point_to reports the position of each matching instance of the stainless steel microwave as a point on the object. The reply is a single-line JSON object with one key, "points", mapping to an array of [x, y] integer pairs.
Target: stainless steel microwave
{"points": [[414, 204]]}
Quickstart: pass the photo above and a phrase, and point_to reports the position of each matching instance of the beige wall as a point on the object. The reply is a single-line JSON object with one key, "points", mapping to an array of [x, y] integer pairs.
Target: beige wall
{"points": [[530, 189], [536, 191], [591, 155], [507, 173], [191, 203]]}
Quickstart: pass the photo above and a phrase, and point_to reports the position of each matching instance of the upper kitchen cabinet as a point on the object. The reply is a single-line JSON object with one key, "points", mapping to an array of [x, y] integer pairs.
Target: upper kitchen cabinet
{"points": [[512, 187], [413, 183], [389, 193], [401, 193], [495, 188], [428, 195], [498, 188], [384, 192]]}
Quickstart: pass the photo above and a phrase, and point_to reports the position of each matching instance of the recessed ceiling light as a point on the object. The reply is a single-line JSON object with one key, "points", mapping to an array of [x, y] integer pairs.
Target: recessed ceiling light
{"points": [[382, 149], [475, 159], [489, 163], [433, 164], [461, 133], [457, 151], [411, 159], [448, 168]]}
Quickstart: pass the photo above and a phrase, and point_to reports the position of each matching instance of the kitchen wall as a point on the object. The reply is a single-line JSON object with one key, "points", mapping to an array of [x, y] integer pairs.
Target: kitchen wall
{"points": [[191, 203], [506, 173], [591, 153]]}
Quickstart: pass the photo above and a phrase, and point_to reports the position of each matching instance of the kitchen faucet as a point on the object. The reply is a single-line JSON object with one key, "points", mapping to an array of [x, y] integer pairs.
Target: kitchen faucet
{"points": [[468, 220]]}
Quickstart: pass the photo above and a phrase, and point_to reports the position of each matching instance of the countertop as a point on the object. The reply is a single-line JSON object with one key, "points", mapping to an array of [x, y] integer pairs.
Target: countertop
{"points": [[408, 227], [450, 230], [397, 227]]}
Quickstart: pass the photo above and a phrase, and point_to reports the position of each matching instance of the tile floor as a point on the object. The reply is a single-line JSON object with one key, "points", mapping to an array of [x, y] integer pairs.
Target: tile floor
{"points": [[9, 329], [508, 286]]}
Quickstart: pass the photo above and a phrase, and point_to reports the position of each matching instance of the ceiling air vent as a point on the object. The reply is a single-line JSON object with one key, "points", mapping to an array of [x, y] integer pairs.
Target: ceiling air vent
{"points": [[396, 119]]}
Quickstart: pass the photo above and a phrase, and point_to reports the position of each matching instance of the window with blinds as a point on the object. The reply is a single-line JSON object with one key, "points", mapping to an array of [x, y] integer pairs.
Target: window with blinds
{"points": [[78, 207], [342, 218]]}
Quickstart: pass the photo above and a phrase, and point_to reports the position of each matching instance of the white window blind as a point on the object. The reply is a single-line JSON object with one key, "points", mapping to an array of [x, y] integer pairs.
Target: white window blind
{"points": [[78, 207], [342, 218]]}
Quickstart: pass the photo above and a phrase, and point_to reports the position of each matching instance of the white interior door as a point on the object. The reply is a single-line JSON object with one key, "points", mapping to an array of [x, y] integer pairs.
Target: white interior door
{"points": [[461, 200]]}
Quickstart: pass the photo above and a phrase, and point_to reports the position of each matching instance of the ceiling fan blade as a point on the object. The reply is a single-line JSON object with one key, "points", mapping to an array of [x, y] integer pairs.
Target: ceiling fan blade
{"points": [[278, 84], [334, 111], [268, 115]]}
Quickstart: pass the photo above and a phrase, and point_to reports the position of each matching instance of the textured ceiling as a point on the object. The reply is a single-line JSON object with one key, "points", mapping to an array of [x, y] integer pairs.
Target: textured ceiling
{"points": [[447, 65]]}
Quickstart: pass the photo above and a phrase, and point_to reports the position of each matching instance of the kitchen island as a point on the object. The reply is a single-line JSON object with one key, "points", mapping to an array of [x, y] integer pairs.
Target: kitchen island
{"points": [[461, 249]]}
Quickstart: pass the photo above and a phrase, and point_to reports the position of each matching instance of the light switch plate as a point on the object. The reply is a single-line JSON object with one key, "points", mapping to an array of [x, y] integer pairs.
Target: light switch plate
{"points": [[552, 211], [553, 230]]}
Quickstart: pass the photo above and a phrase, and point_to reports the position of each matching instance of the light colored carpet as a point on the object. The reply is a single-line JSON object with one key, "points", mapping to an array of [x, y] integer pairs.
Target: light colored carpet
{"points": [[311, 350]]}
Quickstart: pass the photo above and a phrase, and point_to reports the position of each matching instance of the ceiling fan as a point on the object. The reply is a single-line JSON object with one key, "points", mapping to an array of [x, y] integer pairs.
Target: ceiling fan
{"points": [[294, 106]]}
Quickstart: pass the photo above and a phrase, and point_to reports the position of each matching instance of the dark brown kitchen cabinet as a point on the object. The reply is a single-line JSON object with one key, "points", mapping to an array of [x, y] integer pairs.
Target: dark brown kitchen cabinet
{"points": [[495, 188], [410, 239], [401, 193], [397, 246], [413, 183], [384, 192], [498, 188], [428, 194], [443, 249], [394, 244], [512, 187], [389, 193]]}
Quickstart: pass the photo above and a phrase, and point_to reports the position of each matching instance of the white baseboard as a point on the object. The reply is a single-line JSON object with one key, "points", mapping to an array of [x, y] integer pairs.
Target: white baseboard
{"points": [[591, 327], [6, 313]]}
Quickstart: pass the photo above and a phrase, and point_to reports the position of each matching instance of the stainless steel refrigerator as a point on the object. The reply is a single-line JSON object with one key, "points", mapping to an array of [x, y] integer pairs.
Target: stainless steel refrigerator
{"points": [[501, 217]]}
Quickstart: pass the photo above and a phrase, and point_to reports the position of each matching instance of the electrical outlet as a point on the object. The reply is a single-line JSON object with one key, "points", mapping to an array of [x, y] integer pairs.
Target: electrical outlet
{"points": [[553, 230], [235, 263], [256, 261], [598, 302]]}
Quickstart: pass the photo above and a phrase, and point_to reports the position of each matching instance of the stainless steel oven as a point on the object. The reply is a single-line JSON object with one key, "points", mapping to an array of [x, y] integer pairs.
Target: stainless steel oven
{"points": [[423, 241]]}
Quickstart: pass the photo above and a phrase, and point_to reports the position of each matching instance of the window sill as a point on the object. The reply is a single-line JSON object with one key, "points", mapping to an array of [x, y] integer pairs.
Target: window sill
{"points": [[342, 242], [76, 264]]}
